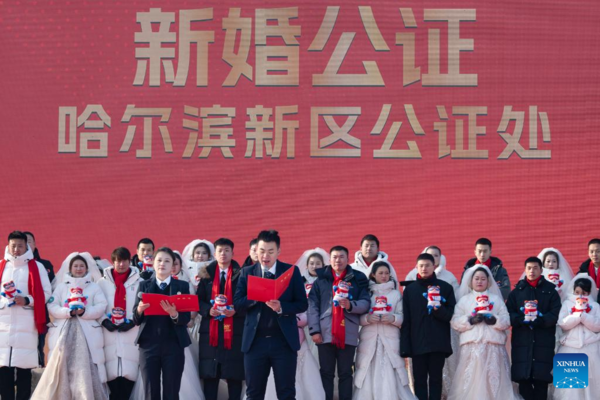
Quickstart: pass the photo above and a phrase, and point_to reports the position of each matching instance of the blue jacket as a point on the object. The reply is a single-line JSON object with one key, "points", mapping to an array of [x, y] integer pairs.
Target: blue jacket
{"points": [[293, 301]]}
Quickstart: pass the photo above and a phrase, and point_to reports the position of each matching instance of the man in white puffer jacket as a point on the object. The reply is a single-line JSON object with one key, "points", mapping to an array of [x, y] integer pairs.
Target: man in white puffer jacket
{"points": [[22, 315], [368, 254], [121, 352]]}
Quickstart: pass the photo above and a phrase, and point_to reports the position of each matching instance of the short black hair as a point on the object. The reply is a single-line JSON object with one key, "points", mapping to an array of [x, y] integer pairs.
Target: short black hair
{"points": [[253, 242], [593, 241], [584, 284], [369, 237], [120, 253], [269, 236], [224, 242], [146, 241], [425, 256], [534, 260], [29, 234], [484, 242], [166, 250], [339, 248], [434, 247], [17, 235]]}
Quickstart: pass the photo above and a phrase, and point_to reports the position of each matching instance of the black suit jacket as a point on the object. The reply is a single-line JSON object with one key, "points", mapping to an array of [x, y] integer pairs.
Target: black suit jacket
{"points": [[175, 287], [293, 301]]}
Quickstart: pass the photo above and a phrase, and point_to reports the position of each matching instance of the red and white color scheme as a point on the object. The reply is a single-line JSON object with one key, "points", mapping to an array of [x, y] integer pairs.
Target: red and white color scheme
{"points": [[341, 291], [581, 305], [482, 305], [76, 300], [381, 306], [531, 310]]}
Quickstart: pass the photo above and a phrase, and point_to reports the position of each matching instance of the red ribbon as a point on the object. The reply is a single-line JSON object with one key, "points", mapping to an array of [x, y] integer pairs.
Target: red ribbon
{"points": [[227, 322]]}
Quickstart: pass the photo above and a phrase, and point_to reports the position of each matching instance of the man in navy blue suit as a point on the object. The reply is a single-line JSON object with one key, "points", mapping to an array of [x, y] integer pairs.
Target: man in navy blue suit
{"points": [[271, 337]]}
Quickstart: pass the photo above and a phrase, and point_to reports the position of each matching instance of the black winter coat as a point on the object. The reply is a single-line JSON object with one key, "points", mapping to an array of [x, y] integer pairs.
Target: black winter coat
{"points": [[232, 361], [533, 343], [421, 332], [585, 268]]}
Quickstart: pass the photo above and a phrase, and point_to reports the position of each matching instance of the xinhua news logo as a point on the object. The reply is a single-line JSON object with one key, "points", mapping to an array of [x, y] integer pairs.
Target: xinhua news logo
{"points": [[570, 371]]}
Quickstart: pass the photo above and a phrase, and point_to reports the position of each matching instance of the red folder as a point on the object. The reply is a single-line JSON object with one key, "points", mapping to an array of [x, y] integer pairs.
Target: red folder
{"points": [[261, 289], [183, 302]]}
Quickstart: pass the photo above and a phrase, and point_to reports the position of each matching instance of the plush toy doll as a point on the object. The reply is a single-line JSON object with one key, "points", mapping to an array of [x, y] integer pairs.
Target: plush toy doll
{"points": [[220, 304], [581, 306], [555, 278], [531, 310], [76, 301], [483, 305], [147, 265], [434, 298], [307, 287], [341, 291], [381, 306], [10, 290], [117, 316]]}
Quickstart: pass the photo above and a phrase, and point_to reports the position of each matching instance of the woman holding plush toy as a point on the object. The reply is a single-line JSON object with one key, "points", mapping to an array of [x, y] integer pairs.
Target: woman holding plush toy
{"points": [[579, 319], [76, 305], [482, 320], [380, 371]]}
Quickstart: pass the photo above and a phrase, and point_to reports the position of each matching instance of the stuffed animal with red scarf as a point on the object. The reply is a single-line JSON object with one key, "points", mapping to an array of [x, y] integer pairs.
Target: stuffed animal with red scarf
{"points": [[530, 309], [307, 287], [381, 306], [10, 290], [147, 264], [76, 301], [581, 306], [434, 298], [220, 304], [117, 316], [555, 278], [483, 305], [341, 291]]}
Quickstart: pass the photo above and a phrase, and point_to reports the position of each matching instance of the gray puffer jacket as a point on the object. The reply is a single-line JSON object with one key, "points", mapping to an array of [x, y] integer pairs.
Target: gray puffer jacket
{"points": [[320, 304]]}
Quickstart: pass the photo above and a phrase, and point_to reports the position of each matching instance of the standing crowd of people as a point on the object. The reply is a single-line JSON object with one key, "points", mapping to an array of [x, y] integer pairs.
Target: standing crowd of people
{"points": [[340, 329]]}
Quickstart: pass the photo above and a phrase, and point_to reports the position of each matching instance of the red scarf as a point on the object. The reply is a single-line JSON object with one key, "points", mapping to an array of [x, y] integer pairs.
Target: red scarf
{"points": [[592, 273], [487, 263], [36, 290], [535, 282], [120, 292], [227, 322], [338, 321]]}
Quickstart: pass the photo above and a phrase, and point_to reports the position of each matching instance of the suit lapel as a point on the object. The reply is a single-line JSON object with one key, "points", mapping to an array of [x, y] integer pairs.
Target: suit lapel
{"points": [[257, 270], [279, 269]]}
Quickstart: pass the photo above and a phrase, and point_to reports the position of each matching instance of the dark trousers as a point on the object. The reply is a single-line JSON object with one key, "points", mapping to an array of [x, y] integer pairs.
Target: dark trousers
{"points": [[211, 387], [533, 389], [166, 358], [428, 367], [120, 388], [329, 356], [7, 383], [41, 344], [266, 353]]}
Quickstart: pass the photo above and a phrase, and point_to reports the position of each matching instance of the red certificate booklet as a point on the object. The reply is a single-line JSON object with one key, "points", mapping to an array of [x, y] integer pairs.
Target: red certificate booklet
{"points": [[183, 302], [261, 289]]}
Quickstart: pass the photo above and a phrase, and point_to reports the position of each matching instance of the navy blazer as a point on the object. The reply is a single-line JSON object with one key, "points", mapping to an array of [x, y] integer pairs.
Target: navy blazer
{"points": [[175, 287], [293, 301]]}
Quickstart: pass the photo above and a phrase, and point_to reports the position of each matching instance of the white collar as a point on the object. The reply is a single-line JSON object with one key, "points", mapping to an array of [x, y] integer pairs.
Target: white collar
{"points": [[272, 270], [226, 270], [167, 281]]}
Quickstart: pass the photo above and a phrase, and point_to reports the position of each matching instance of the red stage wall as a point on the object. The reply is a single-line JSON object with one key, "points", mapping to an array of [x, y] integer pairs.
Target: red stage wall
{"points": [[459, 82]]}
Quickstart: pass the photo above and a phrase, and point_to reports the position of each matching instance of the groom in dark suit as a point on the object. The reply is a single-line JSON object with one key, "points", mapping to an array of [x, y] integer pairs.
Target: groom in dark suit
{"points": [[271, 332], [162, 339]]}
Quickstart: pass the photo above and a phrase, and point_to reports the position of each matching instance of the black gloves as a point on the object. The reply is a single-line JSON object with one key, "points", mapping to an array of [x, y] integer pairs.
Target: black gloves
{"points": [[477, 318], [107, 323], [126, 326], [490, 319]]}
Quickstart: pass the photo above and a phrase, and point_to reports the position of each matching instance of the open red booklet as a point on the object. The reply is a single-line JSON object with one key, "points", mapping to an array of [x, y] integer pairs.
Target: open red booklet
{"points": [[183, 302], [261, 289]]}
